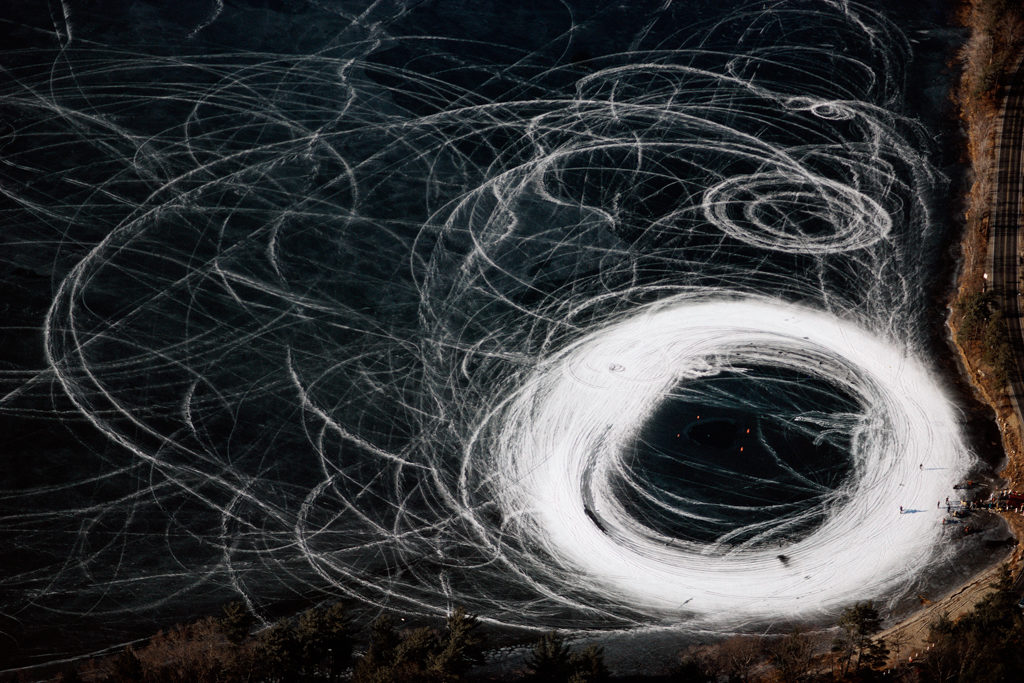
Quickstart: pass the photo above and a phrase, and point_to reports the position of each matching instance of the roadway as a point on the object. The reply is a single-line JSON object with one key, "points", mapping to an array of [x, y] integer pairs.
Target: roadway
{"points": [[1005, 222]]}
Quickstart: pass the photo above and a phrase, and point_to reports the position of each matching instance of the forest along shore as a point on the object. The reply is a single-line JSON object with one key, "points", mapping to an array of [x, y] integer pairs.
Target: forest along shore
{"points": [[978, 329]]}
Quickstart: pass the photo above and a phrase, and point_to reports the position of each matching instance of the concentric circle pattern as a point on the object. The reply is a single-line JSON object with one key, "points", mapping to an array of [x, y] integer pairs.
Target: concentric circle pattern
{"points": [[795, 214], [566, 433]]}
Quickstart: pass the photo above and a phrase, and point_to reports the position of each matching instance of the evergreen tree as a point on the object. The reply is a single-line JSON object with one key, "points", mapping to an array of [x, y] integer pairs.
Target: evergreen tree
{"points": [[413, 656], [278, 652], [588, 666], [236, 621], [311, 636], [379, 659], [553, 662], [860, 622], [324, 641], [462, 646], [549, 662]]}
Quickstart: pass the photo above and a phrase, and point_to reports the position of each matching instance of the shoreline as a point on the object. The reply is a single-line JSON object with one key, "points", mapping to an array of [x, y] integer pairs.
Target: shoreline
{"points": [[979, 116], [980, 119]]}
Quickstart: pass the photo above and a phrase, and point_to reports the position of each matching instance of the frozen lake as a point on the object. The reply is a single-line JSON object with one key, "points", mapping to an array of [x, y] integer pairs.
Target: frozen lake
{"points": [[580, 315]]}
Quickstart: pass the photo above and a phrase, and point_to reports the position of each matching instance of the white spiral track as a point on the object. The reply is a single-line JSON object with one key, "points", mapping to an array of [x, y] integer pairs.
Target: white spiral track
{"points": [[579, 411]]}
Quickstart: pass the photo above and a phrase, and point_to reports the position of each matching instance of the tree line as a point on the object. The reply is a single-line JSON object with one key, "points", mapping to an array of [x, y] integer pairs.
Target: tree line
{"points": [[320, 645], [323, 644]]}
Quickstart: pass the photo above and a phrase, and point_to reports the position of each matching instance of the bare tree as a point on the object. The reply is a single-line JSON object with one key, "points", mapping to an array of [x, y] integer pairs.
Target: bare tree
{"points": [[792, 655], [738, 656]]}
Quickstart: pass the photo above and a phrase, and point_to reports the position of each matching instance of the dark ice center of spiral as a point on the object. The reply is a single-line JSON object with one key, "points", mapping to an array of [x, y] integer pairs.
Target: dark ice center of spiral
{"points": [[753, 455]]}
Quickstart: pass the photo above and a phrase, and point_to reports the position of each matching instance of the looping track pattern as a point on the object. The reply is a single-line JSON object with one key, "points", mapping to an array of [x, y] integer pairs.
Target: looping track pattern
{"points": [[565, 436], [378, 319]]}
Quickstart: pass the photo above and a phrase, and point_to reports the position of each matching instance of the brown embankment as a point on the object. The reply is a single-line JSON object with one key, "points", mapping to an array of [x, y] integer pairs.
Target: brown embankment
{"points": [[996, 34], [995, 37]]}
